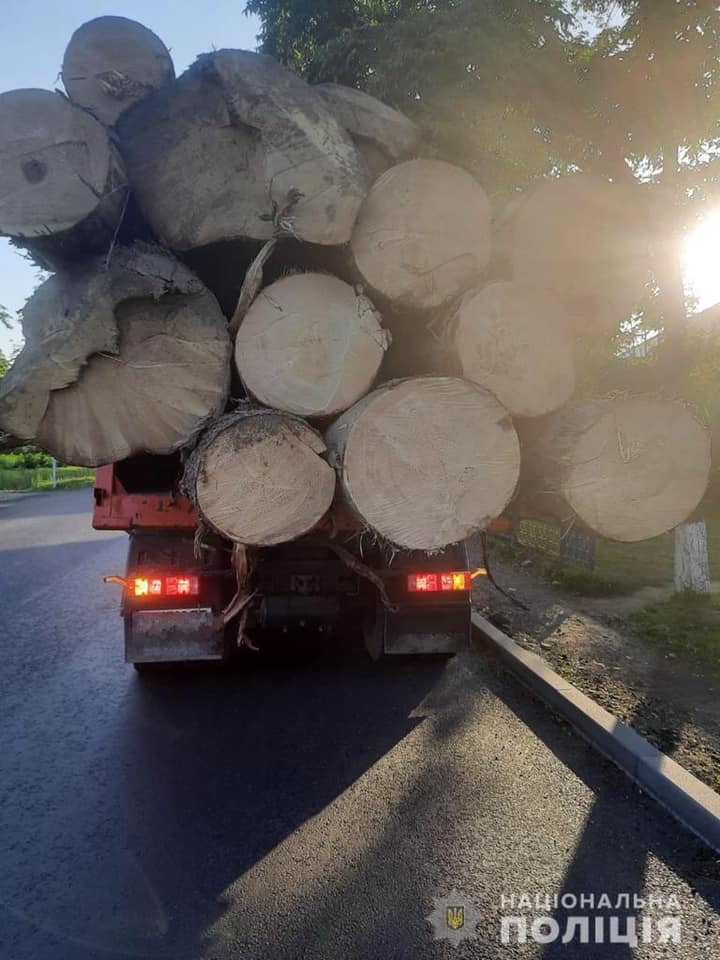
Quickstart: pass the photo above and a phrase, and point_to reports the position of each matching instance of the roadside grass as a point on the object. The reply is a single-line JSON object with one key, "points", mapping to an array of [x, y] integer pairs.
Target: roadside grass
{"points": [[620, 568], [23, 479], [686, 626]]}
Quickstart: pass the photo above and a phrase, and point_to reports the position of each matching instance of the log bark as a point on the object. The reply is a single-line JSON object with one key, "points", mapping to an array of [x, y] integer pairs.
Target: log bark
{"points": [[63, 190], [423, 234], [118, 360], [628, 468], [258, 477], [427, 461], [234, 140], [382, 135], [512, 339], [588, 241], [112, 63], [310, 344]]}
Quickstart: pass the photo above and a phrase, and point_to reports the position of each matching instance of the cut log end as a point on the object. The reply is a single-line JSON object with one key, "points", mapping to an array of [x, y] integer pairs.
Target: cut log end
{"points": [[118, 361], [273, 146], [639, 470], [57, 167], [587, 240], [423, 234], [309, 344], [630, 468], [367, 119], [259, 478], [426, 462], [512, 339], [111, 63]]}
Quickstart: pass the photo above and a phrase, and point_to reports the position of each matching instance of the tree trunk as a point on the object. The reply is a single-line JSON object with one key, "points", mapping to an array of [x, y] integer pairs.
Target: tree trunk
{"points": [[111, 63], [691, 550], [258, 477], [585, 239], [630, 469], [118, 360], [423, 234], [426, 462], [234, 141], [310, 345], [62, 186], [692, 570], [514, 339]]}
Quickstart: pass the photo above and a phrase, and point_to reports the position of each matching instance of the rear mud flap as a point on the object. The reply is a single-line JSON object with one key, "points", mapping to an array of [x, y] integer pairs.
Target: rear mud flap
{"points": [[412, 631], [162, 636]]}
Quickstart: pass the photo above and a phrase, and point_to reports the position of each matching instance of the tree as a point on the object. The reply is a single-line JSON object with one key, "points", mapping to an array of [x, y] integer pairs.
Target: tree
{"points": [[484, 78], [516, 90]]}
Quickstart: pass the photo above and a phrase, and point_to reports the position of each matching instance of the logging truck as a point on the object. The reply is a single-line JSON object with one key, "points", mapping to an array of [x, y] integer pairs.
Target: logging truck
{"points": [[177, 600]]}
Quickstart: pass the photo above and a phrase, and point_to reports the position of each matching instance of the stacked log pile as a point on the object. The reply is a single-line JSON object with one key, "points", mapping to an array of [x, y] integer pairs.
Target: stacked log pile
{"points": [[367, 351]]}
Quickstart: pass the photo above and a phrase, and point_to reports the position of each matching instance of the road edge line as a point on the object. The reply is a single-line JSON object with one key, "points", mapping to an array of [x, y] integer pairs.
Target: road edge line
{"points": [[691, 802]]}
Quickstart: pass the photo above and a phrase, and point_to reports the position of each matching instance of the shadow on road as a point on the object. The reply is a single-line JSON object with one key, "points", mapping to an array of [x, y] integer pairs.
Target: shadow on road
{"points": [[612, 854], [224, 765]]}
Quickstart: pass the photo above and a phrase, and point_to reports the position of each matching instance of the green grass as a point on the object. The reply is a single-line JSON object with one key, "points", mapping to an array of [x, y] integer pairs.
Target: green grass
{"points": [[40, 478], [622, 568], [686, 625]]}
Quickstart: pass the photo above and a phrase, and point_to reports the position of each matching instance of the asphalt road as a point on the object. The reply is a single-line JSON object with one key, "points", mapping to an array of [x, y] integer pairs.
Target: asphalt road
{"points": [[311, 809]]}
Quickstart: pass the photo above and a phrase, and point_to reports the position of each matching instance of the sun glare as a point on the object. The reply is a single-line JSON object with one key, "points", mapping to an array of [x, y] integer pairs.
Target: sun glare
{"points": [[702, 262]]}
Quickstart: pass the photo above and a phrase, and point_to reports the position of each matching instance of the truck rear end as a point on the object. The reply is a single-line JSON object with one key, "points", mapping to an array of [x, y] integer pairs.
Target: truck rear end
{"points": [[179, 600]]}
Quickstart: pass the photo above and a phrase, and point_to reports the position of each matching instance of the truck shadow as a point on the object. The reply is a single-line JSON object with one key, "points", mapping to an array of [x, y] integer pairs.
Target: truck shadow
{"points": [[224, 765]]}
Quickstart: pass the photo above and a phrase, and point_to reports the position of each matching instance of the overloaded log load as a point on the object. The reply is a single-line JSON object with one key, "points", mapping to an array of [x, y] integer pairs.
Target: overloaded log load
{"points": [[62, 186], [310, 344], [426, 462], [236, 140], [423, 234], [111, 63], [629, 468], [121, 359], [382, 135], [258, 477], [587, 240], [513, 339]]}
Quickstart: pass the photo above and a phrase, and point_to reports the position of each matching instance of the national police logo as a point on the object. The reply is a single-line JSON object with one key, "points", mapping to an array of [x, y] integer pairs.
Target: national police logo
{"points": [[454, 918]]}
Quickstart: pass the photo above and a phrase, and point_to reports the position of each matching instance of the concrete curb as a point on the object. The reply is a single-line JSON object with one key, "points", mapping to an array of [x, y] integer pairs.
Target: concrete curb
{"points": [[691, 802]]}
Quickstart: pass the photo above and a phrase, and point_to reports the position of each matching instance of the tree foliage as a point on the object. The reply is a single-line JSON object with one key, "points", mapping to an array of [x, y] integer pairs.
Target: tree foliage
{"points": [[484, 78]]}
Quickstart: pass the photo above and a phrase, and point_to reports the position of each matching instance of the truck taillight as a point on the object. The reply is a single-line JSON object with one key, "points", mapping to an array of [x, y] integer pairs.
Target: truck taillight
{"points": [[439, 582], [176, 586]]}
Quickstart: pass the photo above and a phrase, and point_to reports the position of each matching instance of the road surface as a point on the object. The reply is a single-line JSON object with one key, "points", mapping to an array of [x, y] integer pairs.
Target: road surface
{"points": [[304, 810]]}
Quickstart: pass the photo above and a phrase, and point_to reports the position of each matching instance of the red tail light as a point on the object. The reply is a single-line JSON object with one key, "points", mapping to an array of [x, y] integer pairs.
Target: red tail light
{"points": [[176, 586], [439, 582]]}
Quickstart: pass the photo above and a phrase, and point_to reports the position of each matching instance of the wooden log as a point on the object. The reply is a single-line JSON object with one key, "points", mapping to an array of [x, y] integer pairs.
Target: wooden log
{"points": [[258, 477], [427, 461], [423, 234], [118, 360], [62, 186], [588, 241], [382, 135], [629, 468], [112, 63], [234, 141], [310, 344], [512, 338]]}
